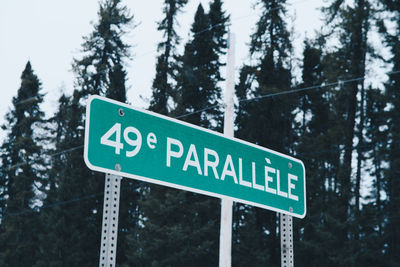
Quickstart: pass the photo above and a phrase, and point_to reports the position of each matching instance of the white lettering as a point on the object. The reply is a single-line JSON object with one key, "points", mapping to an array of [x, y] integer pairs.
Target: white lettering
{"points": [[190, 162], [137, 143], [278, 186], [212, 164], [231, 171], [241, 181], [151, 140], [292, 186], [170, 153], [269, 179], [255, 185], [105, 139]]}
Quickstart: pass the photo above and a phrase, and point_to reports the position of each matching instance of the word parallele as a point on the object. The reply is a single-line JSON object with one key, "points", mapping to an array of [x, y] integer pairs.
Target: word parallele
{"points": [[232, 168]]}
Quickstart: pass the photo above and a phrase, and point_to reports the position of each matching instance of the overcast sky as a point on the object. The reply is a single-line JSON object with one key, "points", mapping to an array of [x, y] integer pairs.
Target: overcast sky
{"points": [[49, 34]]}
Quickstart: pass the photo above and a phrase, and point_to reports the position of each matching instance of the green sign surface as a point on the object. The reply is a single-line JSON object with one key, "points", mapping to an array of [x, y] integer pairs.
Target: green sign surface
{"points": [[143, 145]]}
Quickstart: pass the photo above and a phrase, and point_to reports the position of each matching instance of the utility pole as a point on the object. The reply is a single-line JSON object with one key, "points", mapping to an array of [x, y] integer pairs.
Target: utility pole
{"points": [[225, 238]]}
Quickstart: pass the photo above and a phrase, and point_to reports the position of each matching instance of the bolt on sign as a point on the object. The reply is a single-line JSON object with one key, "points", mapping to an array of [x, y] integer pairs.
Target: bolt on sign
{"points": [[143, 145]]}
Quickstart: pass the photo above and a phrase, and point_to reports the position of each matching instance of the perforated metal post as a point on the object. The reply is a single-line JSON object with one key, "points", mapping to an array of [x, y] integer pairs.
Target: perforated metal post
{"points": [[286, 229], [109, 231]]}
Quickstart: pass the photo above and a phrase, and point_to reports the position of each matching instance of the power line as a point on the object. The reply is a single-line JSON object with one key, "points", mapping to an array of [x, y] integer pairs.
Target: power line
{"points": [[297, 90], [197, 111], [300, 89], [221, 24], [338, 149], [51, 155], [55, 204], [339, 82], [61, 203]]}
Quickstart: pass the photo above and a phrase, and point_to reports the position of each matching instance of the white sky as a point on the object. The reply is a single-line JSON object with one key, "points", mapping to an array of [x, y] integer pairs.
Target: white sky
{"points": [[49, 34]]}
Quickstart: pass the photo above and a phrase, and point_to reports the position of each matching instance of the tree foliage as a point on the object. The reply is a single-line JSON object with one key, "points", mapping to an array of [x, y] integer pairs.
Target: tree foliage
{"points": [[22, 178]]}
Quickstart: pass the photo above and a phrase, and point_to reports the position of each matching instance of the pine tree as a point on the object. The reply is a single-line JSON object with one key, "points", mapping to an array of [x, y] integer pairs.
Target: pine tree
{"points": [[162, 84], [377, 136], [199, 75], [76, 227], [353, 24], [372, 214], [159, 216], [104, 52], [270, 43], [391, 230], [218, 28], [267, 121], [312, 234], [183, 227], [52, 241], [22, 180]]}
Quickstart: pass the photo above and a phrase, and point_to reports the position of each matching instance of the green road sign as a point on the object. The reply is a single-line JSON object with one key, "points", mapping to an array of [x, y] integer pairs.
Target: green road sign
{"points": [[139, 144]]}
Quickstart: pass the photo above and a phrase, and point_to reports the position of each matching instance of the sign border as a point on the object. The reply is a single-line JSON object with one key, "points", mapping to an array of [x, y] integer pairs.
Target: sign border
{"points": [[181, 187]]}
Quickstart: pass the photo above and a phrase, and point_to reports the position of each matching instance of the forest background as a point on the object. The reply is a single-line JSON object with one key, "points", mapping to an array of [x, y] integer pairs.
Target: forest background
{"points": [[329, 108]]}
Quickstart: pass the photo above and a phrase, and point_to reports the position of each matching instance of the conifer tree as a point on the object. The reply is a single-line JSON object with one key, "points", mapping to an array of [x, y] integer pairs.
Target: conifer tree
{"points": [[218, 27], [391, 230], [22, 180], [270, 43], [267, 121], [53, 239], [373, 213], [184, 226], [162, 85], [320, 132], [313, 136], [99, 71], [199, 75], [354, 25], [158, 215], [104, 52]]}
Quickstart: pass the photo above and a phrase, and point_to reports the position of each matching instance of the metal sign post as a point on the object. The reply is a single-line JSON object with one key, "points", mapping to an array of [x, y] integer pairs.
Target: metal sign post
{"points": [[286, 229], [109, 231]]}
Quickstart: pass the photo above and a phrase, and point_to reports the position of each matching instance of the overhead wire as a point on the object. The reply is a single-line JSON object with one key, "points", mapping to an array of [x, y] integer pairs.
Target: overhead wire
{"points": [[51, 155], [55, 204], [339, 82], [58, 203], [338, 149], [220, 24], [297, 90]]}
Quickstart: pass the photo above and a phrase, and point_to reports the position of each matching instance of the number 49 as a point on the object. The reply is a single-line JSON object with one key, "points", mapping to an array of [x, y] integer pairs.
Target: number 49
{"points": [[137, 143]]}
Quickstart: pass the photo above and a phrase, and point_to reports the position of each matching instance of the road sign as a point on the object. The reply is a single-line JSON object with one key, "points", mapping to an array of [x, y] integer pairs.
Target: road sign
{"points": [[143, 145]]}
